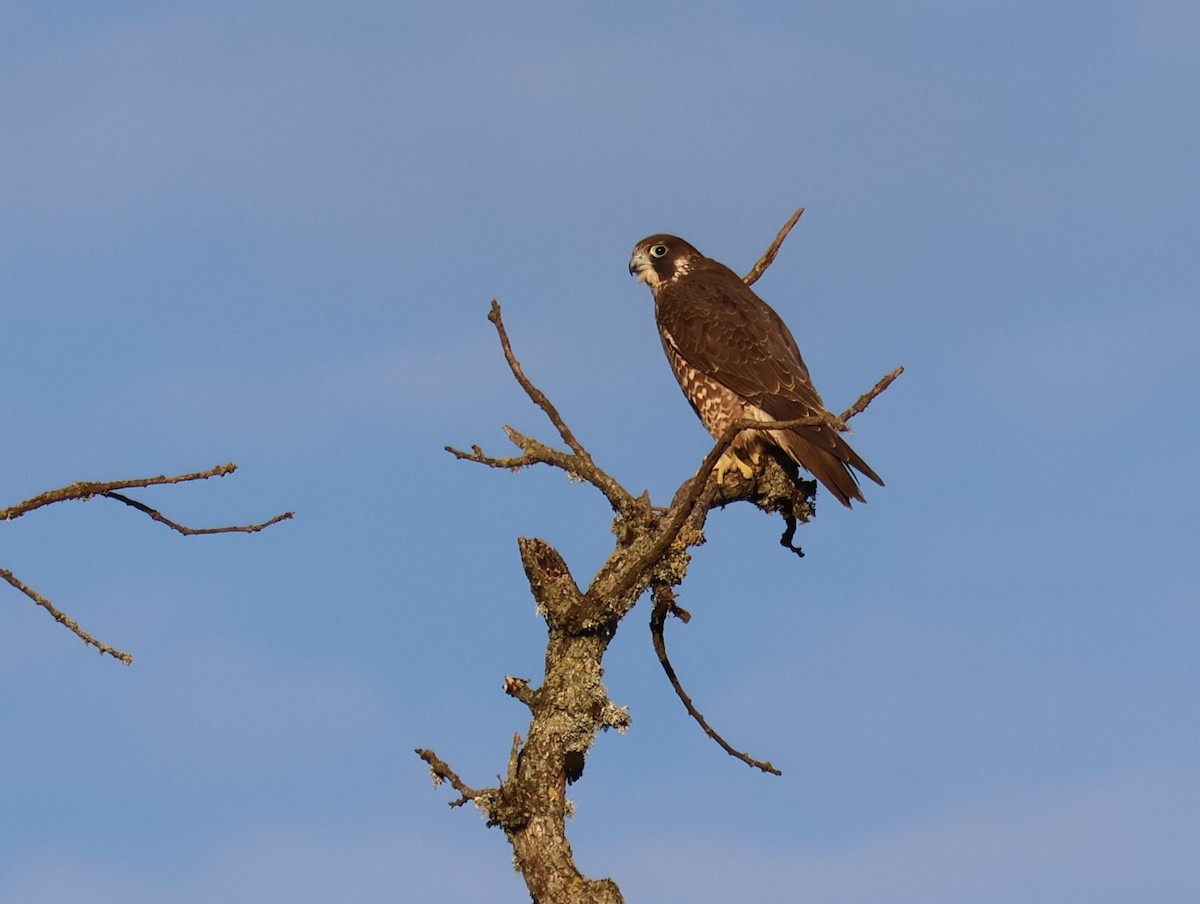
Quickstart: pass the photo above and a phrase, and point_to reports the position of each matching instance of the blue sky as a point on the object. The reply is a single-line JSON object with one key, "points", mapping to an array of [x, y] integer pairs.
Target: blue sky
{"points": [[271, 235]]}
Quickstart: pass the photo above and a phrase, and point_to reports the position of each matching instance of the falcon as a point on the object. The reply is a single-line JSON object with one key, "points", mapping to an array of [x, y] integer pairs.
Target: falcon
{"points": [[735, 358]]}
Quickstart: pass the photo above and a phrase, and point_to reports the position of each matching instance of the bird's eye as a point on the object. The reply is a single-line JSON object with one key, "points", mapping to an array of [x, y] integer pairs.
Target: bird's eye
{"points": [[658, 251]]}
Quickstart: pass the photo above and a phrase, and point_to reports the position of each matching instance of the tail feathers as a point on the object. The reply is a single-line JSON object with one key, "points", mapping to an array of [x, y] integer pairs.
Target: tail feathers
{"points": [[829, 458]]}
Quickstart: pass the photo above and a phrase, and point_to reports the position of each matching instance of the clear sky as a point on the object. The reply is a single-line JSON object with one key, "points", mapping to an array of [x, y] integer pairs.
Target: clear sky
{"points": [[270, 232]]}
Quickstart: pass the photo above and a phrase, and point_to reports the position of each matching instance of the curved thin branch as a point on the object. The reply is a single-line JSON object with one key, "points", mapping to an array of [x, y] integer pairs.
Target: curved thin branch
{"points": [[197, 531], [664, 603]]}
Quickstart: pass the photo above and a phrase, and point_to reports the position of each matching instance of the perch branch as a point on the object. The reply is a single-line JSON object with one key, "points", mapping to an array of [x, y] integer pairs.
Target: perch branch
{"points": [[63, 619], [684, 506], [664, 603]]}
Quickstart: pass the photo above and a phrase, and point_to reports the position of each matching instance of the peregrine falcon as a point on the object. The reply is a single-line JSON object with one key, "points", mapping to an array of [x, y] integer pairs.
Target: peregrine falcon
{"points": [[735, 358]]}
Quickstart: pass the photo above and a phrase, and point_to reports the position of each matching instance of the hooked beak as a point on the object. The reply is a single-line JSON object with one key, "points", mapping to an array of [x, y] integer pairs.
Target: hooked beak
{"points": [[639, 264]]}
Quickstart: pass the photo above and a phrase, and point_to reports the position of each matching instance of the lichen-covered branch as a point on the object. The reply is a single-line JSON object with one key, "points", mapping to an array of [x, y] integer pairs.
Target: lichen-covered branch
{"points": [[443, 773], [651, 551], [567, 712]]}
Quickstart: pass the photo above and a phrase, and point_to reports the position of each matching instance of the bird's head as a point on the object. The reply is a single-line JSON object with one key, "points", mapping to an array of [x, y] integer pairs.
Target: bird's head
{"points": [[660, 259]]}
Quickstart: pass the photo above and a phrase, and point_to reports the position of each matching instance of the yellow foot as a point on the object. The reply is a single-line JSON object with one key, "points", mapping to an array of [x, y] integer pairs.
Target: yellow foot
{"points": [[727, 461]]}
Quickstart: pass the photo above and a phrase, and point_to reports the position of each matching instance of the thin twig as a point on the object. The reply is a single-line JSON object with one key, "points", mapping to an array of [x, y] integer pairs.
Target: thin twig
{"points": [[578, 463], [477, 455], [443, 773], [535, 395], [85, 490], [769, 255], [63, 619], [868, 397], [196, 531], [664, 602]]}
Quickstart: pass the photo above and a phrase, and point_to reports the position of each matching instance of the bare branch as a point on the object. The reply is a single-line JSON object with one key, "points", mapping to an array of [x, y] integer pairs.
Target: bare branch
{"points": [[578, 463], [63, 619], [477, 455], [683, 508], [535, 395], [664, 604], [85, 490], [197, 531], [868, 397], [769, 255], [443, 773], [88, 489]]}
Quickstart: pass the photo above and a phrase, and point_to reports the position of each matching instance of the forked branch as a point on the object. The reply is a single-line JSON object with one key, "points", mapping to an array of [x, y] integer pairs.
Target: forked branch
{"points": [[85, 490], [578, 463]]}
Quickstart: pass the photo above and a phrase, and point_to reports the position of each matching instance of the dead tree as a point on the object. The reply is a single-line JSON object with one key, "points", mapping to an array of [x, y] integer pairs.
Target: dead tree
{"points": [[651, 553], [113, 489]]}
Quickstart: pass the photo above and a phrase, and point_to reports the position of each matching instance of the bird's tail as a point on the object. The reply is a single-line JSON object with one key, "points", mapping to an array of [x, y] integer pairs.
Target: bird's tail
{"points": [[829, 458]]}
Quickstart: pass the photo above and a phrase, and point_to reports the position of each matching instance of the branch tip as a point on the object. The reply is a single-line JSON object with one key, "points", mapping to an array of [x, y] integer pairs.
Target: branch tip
{"points": [[443, 773], [760, 267], [65, 620], [664, 603]]}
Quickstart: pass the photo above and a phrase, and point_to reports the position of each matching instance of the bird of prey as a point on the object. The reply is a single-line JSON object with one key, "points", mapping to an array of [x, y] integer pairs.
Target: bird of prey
{"points": [[735, 358]]}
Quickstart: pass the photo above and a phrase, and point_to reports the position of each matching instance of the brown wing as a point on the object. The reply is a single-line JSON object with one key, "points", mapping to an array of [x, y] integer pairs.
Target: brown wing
{"points": [[721, 328]]}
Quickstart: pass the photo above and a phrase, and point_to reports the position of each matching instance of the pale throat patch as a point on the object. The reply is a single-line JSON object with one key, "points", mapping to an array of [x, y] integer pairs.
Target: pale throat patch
{"points": [[649, 277]]}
